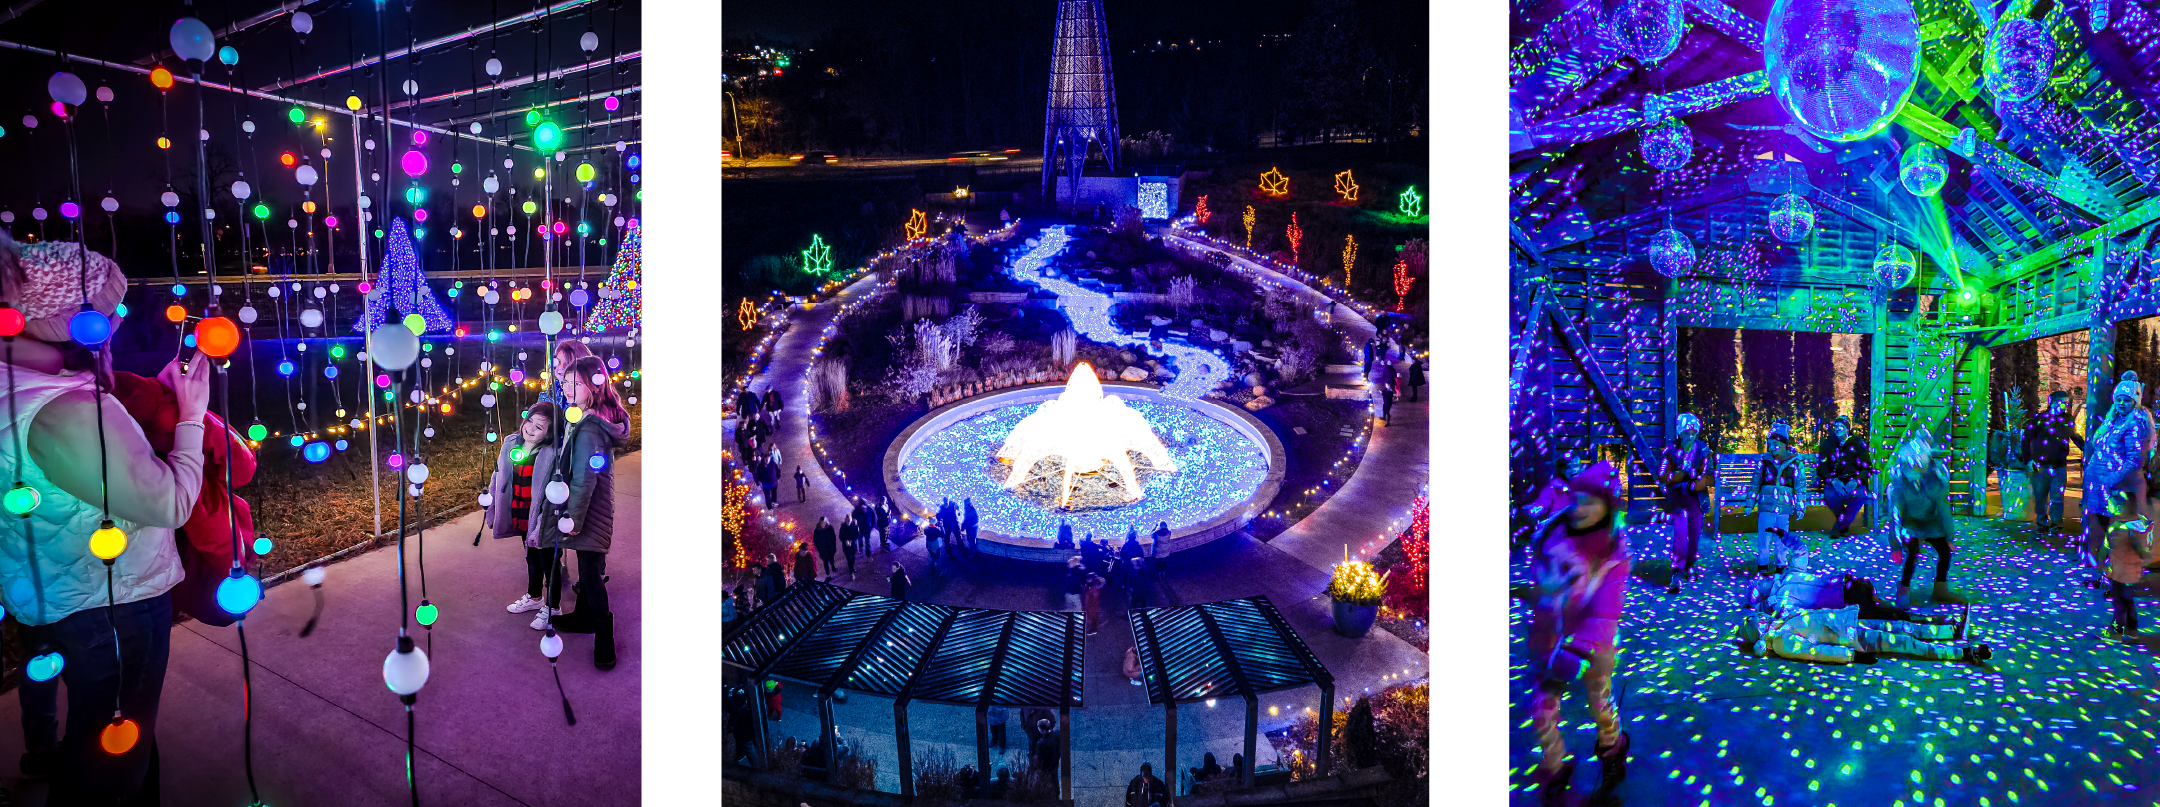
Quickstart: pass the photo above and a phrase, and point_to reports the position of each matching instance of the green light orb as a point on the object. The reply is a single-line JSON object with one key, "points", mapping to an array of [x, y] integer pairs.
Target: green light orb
{"points": [[337, 351], [257, 432], [416, 323], [20, 500], [296, 115], [426, 614], [585, 172], [532, 117], [547, 138], [457, 168], [262, 211], [530, 207]]}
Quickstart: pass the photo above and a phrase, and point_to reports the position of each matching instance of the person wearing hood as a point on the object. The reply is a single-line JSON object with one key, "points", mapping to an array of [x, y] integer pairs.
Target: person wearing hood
{"points": [[587, 465], [826, 540], [1920, 496], [1845, 466], [515, 511], [2046, 449], [851, 536], [2120, 528], [1777, 489], [1685, 473], [1159, 548], [970, 521], [1583, 570]]}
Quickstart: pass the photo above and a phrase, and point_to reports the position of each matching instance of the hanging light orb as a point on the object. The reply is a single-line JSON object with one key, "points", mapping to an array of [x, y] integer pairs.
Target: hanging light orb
{"points": [[1792, 218], [217, 337], [2020, 58], [547, 137], [1668, 145], [1671, 253], [239, 592], [192, 40], [161, 78], [405, 670], [303, 23], [1648, 30], [20, 500], [1895, 266], [119, 736], [1922, 169], [108, 541], [89, 328], [1841, 68]]}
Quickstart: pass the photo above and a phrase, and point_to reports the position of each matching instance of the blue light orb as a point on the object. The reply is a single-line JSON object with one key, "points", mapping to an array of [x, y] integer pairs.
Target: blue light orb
{"points": [[285, 368], [1792, 218], [187, 341], [179, 290], [1895, 267], [1922, 169], [297, 440], [597, 462], [120, 310], [315, 452], [1841, 68], [330, 371], [1668, 145], [634, 161], [262, 545], [239, 593], [44, 666], [2020, 56], [342, 445], [89, 328], [1671, 253], [172, 217], [1648, 30]]}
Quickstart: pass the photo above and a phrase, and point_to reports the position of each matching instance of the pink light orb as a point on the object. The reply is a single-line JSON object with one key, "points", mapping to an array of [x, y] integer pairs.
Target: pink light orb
{"points": [[395, 461], [419, 215], [419, 137], [561, 227], [383, 381], [548, 285], [366, 286], [329, 221], [59, 110], [70, 209], [517, 376], [414, 163], [613, 103], [633, 222]]}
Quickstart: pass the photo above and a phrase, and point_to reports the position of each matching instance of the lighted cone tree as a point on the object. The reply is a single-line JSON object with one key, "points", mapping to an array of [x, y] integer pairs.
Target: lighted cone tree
{"points": [[401, 286], [622, 296]]}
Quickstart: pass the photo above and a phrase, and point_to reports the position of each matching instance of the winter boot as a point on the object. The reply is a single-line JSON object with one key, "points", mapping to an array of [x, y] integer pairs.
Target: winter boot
{"points": [[1612, 765], [1976, 653], [603, 653], [1553, 791]]}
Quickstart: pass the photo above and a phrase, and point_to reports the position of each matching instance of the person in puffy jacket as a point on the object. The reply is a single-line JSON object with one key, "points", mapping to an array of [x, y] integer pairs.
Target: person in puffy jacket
{"points": [[1920, 495], [110, 622], [586, 520], [1777, 497], [1575, 631], [1685, 473], [516, 509], [2120, 526]]}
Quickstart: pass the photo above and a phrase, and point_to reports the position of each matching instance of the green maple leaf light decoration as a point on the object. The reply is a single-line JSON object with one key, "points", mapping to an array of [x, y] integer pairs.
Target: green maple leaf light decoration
{"points": [[818, 258], [1410, 203]]}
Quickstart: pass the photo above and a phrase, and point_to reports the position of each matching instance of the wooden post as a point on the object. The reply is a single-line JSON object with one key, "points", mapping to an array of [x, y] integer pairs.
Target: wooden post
{"points": [[1327, 729], [1170, 749], [1252, 739], [907, 759]]}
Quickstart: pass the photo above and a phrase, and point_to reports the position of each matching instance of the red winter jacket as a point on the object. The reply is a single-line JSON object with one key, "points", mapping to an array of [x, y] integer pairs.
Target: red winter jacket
{"points": [[156, 409]]}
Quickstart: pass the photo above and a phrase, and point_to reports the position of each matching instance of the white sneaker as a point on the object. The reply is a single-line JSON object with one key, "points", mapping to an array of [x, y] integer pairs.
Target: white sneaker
{"points": [[525, 602], [540, 620]]}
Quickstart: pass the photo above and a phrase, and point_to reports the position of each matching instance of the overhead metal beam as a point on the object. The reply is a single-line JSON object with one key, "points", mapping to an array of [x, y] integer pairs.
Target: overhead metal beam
{"points": [[14, 11], [538, 13], [520, 81], [520, 110], [282, 9]]}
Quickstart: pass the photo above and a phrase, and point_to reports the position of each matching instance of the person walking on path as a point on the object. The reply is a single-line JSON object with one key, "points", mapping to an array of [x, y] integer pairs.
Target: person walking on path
{"points": [[827, 541], [587, 466], [1129, 551], [1046, 753], [802, 486], [1415, 378], [774, 580], [850, 538], [1075, 581], [1091, 599], [2047, 453], [805, 563], [514, 511], [768, 479], [997, 728], [1161, 539], [899, 581], [970, 522]]}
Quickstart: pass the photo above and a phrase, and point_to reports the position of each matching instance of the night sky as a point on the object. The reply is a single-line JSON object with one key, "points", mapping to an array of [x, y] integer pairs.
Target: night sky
{"points": [[1131, 21]]}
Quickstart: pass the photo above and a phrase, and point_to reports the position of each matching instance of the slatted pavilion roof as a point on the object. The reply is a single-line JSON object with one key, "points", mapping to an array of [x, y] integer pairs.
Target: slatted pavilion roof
{"points": [[831, 637], [1233, 648]]}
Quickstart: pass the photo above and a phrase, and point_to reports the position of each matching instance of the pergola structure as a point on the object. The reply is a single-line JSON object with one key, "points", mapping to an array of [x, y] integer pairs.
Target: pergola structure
{"points": [[829, 637], [1234, 648]]}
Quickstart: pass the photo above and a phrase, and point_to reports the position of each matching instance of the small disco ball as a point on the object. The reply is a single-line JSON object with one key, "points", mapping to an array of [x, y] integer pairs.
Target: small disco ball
{"points": [[1921, 169], [1671, 253], [1894, 266], [1668, 145], [1791, 218], [1841, 68], [2020, 54], [1648, 30]]}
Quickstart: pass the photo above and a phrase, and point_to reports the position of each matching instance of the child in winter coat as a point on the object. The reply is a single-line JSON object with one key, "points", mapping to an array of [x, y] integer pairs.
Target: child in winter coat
{"points": [[515, 508], [585, 522], [1574, 634], [1920, 495], [1777, 485], [1685, 473]]}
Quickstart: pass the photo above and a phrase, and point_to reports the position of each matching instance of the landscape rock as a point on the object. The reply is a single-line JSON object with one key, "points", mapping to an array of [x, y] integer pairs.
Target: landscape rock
{"points": [[1133, 374]]}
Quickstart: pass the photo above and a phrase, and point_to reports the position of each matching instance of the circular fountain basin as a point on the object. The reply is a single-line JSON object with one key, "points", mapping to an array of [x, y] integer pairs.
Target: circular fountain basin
{"points": [[1230, 466]]}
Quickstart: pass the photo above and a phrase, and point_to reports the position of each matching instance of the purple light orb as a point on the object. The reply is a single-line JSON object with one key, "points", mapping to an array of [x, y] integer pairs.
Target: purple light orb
{"points": [[517, 376], [70, 209], [612, 103], [395, 461], [383, 381], [419, 137], [414, 163], [419, 215], [329, 221], [633, 222]]}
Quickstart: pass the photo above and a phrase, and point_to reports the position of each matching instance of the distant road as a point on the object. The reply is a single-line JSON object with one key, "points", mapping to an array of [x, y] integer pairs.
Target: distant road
{"points": [[867, 167]]}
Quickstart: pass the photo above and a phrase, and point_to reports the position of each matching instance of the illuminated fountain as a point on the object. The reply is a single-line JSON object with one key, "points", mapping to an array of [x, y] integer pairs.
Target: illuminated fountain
{"points": [[1088, 432]]}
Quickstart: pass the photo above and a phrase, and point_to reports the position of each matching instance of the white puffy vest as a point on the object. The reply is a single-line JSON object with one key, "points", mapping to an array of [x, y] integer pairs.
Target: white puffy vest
{"points": [[46, 569]]}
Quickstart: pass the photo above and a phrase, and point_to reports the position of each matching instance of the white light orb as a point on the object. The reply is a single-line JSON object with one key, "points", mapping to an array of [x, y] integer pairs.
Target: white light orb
{"points": [[406, 671]]}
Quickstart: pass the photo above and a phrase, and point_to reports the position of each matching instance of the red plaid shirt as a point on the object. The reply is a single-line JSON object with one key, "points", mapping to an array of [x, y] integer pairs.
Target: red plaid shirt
{"points": [[521, 494]]}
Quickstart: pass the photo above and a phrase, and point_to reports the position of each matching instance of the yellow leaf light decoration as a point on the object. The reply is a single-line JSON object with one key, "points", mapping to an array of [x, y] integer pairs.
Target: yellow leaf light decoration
{"points": [[1346, 185], [917, 225], [1273, 183], [746, 314]]}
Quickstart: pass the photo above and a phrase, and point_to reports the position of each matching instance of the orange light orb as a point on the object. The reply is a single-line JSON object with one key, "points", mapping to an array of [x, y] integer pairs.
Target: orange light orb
{"points": [[217, 336], [164, 142], [446, 409], [288, 160], [307, 207], [161, 78], [174, 313], [120, 735], [479, 211]]}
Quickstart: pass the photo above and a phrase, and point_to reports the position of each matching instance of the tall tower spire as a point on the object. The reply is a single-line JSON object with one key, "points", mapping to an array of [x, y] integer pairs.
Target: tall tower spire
{"points": [[1082, 112]]}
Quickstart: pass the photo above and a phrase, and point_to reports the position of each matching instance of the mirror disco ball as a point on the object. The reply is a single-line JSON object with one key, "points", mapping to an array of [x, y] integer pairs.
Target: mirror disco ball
{"points": [[1648, 30], [1922, 170], [1792, 218], [1894, 266], [1671, 253], [2020, 55], [1668, 145], [1841, 68]]}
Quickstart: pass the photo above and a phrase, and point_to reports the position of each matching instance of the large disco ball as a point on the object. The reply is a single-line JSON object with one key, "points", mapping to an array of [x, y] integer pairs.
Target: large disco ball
{"points": [[1922, 169], [2020, 55], [1668, 145], [1648, 30], [1894, 266], [1671, 253], [1792, 218], [1841, 68]]}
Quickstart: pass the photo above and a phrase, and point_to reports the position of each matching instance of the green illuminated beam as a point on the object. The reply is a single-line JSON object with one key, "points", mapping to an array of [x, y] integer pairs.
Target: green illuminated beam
{"points": [[2145, 213]]}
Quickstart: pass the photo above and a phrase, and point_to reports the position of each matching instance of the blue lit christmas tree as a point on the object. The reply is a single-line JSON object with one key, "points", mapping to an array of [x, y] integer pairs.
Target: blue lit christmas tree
{"points": [[403, 285], [621, 297]]}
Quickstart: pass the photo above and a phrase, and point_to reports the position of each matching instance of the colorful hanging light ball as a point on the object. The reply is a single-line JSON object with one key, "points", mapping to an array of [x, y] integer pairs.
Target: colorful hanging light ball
{"points": [[2020, 58], [426, 614], [44, 666], [108, 542], [414, 163], [11, 320], [89, 328], [217, 337], [239, 592], [20, 500], [315, 453], [1671, 253], [1792, 218], [119, 736], [1648, 30], [1841, 68], [257, 432], [1668, 145], [1895, 266], [1922, 169], [547, 137]]}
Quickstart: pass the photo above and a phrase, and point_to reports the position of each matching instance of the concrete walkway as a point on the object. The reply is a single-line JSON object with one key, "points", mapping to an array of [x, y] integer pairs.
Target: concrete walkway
{"points": [[490, 726], [1117, 730]]}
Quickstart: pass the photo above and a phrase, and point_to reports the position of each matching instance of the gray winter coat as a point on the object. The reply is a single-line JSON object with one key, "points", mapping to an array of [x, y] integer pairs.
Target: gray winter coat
{"points": [[591, 506], [499, 517]]}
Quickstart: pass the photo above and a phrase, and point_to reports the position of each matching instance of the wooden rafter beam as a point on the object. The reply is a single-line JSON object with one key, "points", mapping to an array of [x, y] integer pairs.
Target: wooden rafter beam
{"points": [[1586, 360]]}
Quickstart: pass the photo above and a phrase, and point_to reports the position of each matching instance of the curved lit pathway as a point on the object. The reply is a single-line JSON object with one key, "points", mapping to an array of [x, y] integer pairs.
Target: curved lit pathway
{"points": [[1117, 730]]}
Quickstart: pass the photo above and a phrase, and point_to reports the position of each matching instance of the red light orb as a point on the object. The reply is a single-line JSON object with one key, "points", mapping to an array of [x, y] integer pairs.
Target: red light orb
{"points": [[11, 321], [217, 337]]}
